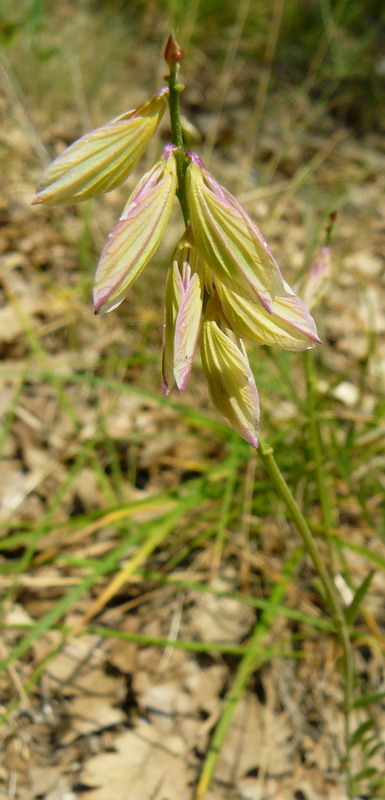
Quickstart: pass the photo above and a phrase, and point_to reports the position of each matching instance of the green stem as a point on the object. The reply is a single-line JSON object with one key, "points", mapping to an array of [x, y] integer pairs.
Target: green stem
{"points": [[323, 491], [266, 454], [177, 137]]}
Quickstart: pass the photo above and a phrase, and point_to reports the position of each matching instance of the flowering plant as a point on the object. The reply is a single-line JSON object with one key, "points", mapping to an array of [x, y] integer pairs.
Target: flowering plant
{"points": [[223, 286], [223, 282]]}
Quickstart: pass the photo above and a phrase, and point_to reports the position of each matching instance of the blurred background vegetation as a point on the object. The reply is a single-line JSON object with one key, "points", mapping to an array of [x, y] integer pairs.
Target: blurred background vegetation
{"points": [[333, 50]]}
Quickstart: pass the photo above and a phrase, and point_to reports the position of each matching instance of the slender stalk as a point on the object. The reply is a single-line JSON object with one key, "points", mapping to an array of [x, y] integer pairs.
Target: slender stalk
{"points": [[226, 507], [173, 55], [174, 101], [323, 491], [315, 434], [266, 454]]}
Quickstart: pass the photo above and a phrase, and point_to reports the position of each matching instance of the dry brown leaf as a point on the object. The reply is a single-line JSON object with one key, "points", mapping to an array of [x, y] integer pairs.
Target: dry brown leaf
{"points": [[220, 619], [147, 764]]}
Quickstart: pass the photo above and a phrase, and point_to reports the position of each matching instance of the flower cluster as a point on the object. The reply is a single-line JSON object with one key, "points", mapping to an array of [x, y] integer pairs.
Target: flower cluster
{"points": [[223, 283]]}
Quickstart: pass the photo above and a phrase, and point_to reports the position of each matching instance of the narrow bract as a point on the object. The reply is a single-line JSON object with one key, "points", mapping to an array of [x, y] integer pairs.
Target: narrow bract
{"points": [[137, 235], [101, 159]]}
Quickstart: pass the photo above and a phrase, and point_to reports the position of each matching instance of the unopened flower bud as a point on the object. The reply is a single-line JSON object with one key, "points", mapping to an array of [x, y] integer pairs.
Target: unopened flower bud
{"points": [[173, 52], [316, 279]]}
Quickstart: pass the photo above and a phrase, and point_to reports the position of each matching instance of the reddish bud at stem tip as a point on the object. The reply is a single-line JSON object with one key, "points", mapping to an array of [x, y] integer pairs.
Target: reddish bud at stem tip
{"points": [[173, 53]]}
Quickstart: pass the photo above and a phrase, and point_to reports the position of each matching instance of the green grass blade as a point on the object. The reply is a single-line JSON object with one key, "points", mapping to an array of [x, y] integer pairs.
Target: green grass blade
{"points": [[354, 608], [250, 661]]}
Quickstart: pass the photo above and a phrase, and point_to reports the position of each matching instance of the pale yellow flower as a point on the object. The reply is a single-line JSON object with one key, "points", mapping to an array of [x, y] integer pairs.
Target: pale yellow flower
{"points": [[228, 239], [101, 159], [229, 377], [183, 311], [137, 235]]}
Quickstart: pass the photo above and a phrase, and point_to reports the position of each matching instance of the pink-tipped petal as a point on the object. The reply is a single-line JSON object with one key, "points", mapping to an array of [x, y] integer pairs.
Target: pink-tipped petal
{"points": [[137, 235], [228, 239], [101, 159], [184, 292], [287, 324], [316, 280], [230, 380], [187, 327], [174, 290]]}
